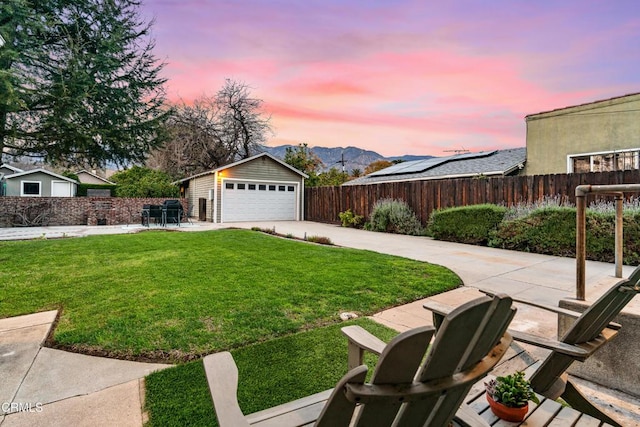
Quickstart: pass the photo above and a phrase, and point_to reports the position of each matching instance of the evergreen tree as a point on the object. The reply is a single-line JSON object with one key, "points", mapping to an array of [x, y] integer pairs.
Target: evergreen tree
{"points": [[79, 84]]}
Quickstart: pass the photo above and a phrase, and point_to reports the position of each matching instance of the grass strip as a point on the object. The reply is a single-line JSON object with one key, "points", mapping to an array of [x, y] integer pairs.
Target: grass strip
{"points": [[271, 373]]}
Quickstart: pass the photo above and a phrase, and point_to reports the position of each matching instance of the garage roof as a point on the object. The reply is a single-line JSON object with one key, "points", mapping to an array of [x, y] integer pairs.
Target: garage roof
{"points": [[239, 162]]}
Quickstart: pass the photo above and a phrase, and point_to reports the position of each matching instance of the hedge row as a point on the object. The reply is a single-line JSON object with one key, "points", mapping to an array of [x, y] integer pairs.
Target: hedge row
{"points": [[550, 230]]}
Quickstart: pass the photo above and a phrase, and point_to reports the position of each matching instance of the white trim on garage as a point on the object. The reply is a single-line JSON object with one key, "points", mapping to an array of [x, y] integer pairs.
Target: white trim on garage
{"points": [[279, 201]]}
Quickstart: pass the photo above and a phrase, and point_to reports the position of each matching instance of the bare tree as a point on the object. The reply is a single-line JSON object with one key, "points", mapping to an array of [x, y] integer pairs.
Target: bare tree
{"points": [[212, 132], [243, 126]]}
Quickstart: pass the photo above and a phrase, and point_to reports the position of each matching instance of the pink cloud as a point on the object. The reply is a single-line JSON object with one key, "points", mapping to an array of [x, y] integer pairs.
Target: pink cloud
{"points": [[403, 76]]}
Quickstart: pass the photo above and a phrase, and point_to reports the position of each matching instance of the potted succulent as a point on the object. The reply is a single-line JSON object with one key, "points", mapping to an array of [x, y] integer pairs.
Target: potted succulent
{"points": [[509, 396]]}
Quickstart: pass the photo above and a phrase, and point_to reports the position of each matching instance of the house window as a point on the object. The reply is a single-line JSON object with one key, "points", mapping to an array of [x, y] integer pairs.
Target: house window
{"points": [[228, 185], [30, 188], [605, 162]]}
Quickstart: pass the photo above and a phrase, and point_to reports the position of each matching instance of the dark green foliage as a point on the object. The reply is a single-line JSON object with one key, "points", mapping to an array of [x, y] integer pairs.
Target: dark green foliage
{"points": [[271, 373], [467, 224], [512, 390], [144, 182], [79, 84], [545, 231], [332, 177], [82, 188], [553, 231], [394, 216]]}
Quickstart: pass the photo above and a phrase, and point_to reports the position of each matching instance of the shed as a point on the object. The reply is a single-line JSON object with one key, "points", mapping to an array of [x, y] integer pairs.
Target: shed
{"points": [[259, 188], [39, 183]]}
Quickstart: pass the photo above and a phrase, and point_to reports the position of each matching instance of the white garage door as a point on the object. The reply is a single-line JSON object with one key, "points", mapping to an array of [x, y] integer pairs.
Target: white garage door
{"points": [[60, 189], [258, 201]]}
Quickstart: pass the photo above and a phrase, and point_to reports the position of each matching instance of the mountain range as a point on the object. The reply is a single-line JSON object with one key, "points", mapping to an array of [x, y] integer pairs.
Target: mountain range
{"points": [[354, 157]]}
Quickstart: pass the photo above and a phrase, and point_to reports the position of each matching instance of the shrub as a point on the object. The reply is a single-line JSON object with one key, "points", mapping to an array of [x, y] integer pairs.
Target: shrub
{"points": [[522, 210], [466, 224], [320, 239], [349, 219], [549, 230], [144, 182], [394, 216]]}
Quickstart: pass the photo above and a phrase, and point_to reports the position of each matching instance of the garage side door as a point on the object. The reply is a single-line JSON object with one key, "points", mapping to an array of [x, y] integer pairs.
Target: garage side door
{"points": [[258, 201]]}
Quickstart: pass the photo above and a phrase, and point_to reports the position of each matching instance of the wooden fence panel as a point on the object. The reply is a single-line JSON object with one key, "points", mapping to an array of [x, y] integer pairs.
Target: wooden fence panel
{"points": [[323, 204]]}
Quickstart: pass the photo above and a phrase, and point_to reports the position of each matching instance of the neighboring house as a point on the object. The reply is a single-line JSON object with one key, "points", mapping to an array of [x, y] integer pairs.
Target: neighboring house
{"points": [[5, 170], [260, 188], [86, 177], [599, 136], [488, 163], [39, 183]]}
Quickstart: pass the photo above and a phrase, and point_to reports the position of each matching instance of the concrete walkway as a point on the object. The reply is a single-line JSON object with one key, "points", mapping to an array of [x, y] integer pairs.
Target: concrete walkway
{"points": [[69, 389]]}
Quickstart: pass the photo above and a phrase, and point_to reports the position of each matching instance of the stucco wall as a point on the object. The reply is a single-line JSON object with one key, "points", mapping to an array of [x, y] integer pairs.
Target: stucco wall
{"points": [[608, 125]]}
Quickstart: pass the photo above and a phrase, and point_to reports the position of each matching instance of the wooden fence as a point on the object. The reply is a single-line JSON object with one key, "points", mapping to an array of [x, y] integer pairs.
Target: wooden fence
{"points": [[323, 204]]}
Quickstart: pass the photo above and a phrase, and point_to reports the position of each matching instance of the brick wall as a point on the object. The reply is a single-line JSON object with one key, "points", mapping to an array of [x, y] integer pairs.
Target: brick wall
{"points": [[35, 211]]}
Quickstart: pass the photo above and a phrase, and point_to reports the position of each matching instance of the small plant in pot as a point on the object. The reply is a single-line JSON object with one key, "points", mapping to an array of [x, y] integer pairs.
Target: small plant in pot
{"points": [[509, 396]]}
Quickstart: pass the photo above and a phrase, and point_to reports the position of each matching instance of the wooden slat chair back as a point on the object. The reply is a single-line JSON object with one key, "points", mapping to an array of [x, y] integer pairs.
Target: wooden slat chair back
{"points": [[407, 391], [587, 330], [406, 388]]}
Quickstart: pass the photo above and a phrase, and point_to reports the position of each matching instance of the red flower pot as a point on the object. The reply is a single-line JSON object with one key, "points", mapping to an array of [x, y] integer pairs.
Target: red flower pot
{"points": [[506, 413]]}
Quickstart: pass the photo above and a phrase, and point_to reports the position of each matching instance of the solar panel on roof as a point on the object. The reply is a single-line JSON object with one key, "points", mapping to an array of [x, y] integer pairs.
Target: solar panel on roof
{"points": [[418, 166]]}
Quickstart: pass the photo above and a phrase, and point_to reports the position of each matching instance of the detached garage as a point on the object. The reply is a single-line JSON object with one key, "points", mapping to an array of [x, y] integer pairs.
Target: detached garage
{"points": [[260, 188]]}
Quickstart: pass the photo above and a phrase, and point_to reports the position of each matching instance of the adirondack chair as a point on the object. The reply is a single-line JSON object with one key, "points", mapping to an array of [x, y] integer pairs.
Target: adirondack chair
{"points": [[406, 388], [590, 331]]}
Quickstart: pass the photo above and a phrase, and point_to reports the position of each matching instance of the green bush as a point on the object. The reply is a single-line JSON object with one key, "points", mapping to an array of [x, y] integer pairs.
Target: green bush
{"points": [[550, 230], [144, 182], [466, 224], [349, 219], [394, 216]]}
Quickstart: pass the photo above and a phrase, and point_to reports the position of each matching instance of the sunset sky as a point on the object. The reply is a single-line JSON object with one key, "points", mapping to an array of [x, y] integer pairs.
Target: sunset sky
{"points": [[401, 76]]}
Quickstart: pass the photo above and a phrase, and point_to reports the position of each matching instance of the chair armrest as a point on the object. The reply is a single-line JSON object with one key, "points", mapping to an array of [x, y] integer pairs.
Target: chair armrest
{"points": [[222, 377], [359, 341], [557, 310], [438, 310], [578, 351]]}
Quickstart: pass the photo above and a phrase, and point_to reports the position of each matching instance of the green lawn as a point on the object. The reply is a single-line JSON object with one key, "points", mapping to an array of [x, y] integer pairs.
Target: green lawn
{"points": [[177, 296], [270, 373]]}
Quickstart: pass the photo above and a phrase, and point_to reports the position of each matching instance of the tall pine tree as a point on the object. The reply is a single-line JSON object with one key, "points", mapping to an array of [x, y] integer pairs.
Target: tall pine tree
{"points": [[79, 84]]}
